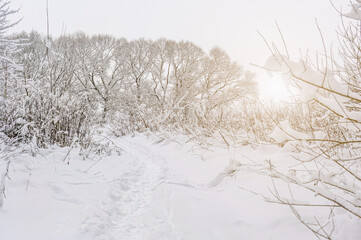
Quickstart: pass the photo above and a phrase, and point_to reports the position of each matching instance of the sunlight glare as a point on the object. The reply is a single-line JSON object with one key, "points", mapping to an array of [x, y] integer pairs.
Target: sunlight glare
{"points": [[272, 88]]}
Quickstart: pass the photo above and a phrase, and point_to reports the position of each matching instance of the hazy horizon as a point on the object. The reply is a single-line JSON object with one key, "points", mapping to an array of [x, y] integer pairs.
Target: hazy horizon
{"points": [[231, 25]]}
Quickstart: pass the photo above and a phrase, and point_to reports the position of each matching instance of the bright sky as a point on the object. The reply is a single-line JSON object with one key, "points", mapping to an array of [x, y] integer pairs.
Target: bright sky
{"points": [[229, 24]]}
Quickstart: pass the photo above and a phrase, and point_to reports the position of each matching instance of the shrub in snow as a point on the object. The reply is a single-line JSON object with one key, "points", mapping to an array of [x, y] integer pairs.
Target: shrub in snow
{"points": [[324, 132]]}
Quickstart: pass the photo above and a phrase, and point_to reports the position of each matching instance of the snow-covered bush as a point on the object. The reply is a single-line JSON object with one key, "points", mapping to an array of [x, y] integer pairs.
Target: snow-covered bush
{"points": [[11, 120], [323, 134], [52, 109]]}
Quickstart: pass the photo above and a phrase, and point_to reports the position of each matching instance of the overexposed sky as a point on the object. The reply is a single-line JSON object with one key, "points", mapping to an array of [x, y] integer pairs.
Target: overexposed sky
{"points": [[229, 24]]}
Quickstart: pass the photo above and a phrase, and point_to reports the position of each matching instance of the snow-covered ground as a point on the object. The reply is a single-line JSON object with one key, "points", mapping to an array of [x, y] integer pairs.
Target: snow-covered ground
{"points": [[154, 189]]}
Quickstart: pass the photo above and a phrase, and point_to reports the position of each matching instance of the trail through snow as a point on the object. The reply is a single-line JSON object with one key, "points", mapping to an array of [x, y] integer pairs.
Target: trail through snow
{"points": [[156, 189], [117, 197], [128, 210]]}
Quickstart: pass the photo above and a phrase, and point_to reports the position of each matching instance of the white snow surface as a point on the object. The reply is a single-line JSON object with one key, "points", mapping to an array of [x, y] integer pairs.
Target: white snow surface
{"points": [[155, 189]]}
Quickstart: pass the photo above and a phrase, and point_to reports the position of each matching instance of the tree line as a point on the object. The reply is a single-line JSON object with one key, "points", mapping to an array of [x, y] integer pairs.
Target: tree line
{"points": [[53, 90]]}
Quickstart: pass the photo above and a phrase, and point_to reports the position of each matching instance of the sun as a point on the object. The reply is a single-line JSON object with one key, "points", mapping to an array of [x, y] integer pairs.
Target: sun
{"points": [[272, 88]]}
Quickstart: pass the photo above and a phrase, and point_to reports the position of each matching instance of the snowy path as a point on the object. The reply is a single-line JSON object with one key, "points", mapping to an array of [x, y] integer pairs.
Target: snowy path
{"points": [[154, 190], [118, 198], [127, 211]]}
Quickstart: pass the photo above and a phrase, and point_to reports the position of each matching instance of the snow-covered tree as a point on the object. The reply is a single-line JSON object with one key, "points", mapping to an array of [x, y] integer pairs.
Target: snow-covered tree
{"points": [[11, 121]]}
